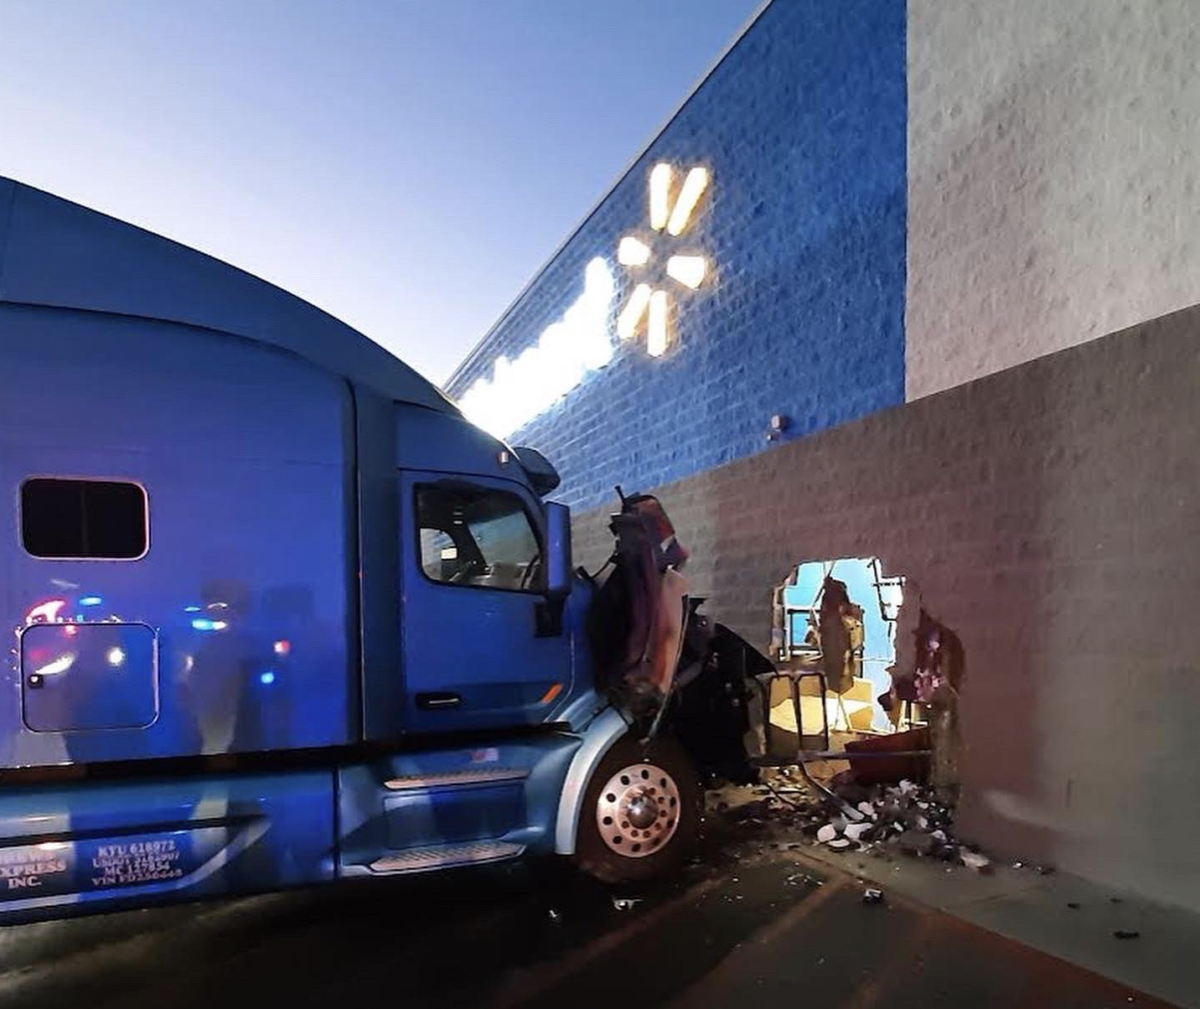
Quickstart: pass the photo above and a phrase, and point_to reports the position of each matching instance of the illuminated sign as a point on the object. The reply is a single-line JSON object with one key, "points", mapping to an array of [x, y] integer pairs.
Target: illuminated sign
{"points": [[581, 341], [648, 302], [578, 343]]}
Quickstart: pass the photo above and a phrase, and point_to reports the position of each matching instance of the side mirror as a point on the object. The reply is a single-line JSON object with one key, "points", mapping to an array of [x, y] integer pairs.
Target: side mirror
{"points": [[558, 550], [543, 477]]}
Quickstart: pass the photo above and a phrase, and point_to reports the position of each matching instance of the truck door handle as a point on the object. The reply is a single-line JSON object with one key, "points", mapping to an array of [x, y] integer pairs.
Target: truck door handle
{"points": [[441, 700]]}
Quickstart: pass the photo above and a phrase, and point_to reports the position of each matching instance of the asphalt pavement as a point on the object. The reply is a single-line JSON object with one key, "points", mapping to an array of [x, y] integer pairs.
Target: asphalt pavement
{"points": [[753, 924]]}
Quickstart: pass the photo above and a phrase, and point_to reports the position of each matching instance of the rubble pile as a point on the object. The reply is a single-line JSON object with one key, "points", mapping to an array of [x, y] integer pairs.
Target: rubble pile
{"points": [[880, 820], [906, 817]]}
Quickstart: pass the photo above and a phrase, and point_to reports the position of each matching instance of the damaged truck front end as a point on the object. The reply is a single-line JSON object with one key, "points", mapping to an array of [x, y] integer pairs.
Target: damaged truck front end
{"points": [[682, 684]]}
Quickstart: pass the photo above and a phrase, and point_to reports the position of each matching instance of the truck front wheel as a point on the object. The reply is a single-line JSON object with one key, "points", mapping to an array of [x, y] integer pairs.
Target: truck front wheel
{"points": [[641, 812]]}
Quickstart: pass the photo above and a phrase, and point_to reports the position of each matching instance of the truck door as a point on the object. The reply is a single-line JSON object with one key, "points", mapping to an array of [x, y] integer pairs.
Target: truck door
{"points": [[482, 647]]}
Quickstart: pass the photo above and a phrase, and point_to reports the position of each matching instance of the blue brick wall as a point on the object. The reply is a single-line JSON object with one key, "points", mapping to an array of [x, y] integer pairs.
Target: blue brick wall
{"points": [[803, 128]]}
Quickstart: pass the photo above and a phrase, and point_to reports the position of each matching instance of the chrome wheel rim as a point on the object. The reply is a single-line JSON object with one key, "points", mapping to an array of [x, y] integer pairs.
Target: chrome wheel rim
{"points": [[637, 812]]}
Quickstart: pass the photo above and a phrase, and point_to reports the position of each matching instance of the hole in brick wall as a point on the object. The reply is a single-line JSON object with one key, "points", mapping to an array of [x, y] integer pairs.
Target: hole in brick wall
{"points": [[846, 631], [840, 618]]}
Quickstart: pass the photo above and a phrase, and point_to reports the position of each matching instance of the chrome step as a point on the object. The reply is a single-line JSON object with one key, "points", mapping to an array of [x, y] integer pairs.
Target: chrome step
{"points": [[445, 779], [447, 856]]}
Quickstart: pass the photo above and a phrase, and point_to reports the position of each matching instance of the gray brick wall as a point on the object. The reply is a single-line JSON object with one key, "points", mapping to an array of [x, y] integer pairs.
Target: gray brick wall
{"points": [[1051, 516]]}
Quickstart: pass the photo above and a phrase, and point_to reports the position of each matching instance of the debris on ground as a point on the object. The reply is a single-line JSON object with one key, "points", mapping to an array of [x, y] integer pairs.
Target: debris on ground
{"points": [[555, 915], [974, 860], [915, 842], [625, 903], [908, 804], [872, 896], [856, 831], [1122, 933], [797, 878], [757, 810], [905, 817], [843, 813], [1073, 905]]}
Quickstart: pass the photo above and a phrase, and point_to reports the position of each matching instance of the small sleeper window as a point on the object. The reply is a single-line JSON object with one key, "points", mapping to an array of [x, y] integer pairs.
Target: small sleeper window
{"points": [[83, 519]]}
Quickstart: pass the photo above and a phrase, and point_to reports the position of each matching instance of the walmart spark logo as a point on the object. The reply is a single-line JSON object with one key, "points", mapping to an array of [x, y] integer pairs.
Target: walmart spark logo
{"points": [[649, 302], [581, 341]]}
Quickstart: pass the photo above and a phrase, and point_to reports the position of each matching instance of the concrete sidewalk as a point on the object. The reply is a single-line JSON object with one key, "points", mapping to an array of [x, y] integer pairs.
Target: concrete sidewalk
{"points": [[1037, 910]]}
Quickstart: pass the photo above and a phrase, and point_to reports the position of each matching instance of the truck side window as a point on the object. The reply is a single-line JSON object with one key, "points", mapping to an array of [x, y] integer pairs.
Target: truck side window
{"points": [[83, 519], [477, 536]]}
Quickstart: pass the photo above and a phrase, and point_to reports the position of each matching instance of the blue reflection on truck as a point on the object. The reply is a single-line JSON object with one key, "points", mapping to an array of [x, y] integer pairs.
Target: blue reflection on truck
{"points": [[252, 702]]}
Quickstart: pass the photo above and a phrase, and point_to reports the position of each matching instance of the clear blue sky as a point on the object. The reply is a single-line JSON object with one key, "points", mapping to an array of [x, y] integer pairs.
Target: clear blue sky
{"points": [[405, 164]]}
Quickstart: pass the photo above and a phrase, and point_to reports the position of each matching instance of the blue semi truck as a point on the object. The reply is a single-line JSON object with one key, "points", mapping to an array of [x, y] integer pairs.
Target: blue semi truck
{"points": [[279, 614]]}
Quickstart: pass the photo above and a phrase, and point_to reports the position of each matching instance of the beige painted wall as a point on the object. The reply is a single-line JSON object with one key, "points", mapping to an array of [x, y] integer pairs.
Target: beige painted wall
{"points": [[1053, 180]]}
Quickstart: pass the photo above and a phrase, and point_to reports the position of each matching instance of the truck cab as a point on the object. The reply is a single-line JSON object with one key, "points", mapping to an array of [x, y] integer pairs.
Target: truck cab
{"points": [[279, 613]]}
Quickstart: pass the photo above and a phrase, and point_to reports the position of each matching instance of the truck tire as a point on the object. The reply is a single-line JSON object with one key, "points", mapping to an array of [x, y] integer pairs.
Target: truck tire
{"points": [[641, 812]]}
